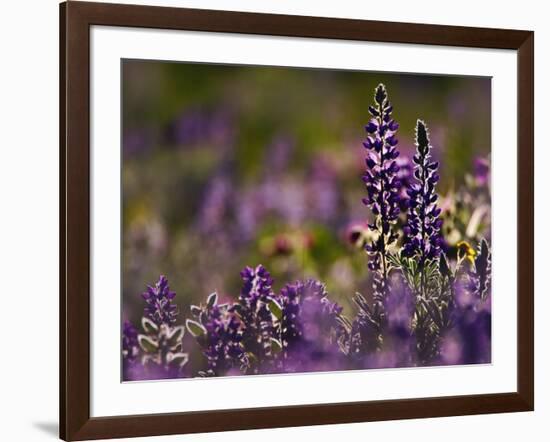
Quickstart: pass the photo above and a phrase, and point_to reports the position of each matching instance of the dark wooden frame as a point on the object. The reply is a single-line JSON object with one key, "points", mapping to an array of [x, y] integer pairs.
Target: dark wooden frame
{"points": [[75, 21]]}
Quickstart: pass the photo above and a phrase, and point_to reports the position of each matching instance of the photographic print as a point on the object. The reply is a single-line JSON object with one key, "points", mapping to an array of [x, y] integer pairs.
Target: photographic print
{"points": [[290, 220]]}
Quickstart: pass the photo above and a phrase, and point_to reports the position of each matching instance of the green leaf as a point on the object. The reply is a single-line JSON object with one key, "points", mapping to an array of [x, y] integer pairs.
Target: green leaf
{"points": [[179, 359], [275, 309], [175, 336], [195, 328], [212, 300], [148, 344], [276, 346], [149, 326], [252, 357]]}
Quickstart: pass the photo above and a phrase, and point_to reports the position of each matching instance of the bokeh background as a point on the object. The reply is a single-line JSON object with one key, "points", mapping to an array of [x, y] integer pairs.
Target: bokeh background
{"points": [[227, 166]]}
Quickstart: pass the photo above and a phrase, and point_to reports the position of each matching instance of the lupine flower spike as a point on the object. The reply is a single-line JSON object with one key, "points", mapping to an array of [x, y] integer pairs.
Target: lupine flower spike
{"points": [[159, 307], [422, 232], [382, 184]]}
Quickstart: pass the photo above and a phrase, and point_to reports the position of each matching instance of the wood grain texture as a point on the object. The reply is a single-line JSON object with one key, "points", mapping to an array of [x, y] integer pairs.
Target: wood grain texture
{"points": [[75, 21]]}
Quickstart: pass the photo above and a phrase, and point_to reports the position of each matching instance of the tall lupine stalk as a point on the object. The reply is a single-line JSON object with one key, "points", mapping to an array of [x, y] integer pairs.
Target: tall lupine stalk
{"points": [[422, 233], [383, 187], [422, 239]]}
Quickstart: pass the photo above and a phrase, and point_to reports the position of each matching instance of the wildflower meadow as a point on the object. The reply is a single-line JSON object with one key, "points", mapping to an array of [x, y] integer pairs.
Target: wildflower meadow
{"points": [[280, 220]]}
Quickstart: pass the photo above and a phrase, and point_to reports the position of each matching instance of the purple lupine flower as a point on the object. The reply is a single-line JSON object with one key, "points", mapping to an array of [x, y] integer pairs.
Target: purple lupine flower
{"points": [[309, 327], [381, 335], [422, 237], [278, 155], [398, 345], [219, 332], [159, 307], [399, 309], [215, 205], [482, 170], [322, 190], [136, 142], [197, 125], [468, 341], [252, 307], [382, 185]]}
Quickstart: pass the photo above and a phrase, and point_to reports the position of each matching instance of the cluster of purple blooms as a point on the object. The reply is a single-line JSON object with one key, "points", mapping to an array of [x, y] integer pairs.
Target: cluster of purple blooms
{"points": [[426, 308], [264, 331]]}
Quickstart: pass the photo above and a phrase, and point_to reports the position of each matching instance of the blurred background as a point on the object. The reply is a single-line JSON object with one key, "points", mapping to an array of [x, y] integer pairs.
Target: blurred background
{"points": [[227, 166]]}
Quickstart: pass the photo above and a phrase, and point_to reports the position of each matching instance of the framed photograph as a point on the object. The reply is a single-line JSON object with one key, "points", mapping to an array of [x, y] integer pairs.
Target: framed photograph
{"points": [[272, 221]]}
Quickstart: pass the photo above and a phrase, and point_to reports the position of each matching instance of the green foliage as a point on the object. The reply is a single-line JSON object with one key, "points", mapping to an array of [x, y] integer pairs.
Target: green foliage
{"points": [[195, 328]]}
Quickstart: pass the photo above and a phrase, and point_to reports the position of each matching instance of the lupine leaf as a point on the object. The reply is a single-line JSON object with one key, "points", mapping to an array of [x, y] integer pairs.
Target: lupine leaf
{"points": [[195, 328], [212, 300], [276, 346], [179, 359], [149, 326], [148, 344], [175, 336], [275, 309]]}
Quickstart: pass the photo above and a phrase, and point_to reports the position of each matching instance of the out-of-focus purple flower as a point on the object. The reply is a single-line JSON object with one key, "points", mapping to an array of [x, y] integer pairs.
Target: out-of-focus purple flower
{"points": [[130, 346], [131, 357], [399, 308], [309, 327], [322, 190], [382, 335], [159, 306], [482, 170], [399, 343], [468, 341], [278, 155], [422, 233], [382, 185], [288, 199], [135, 142], [215, 205], [197, 125]]}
